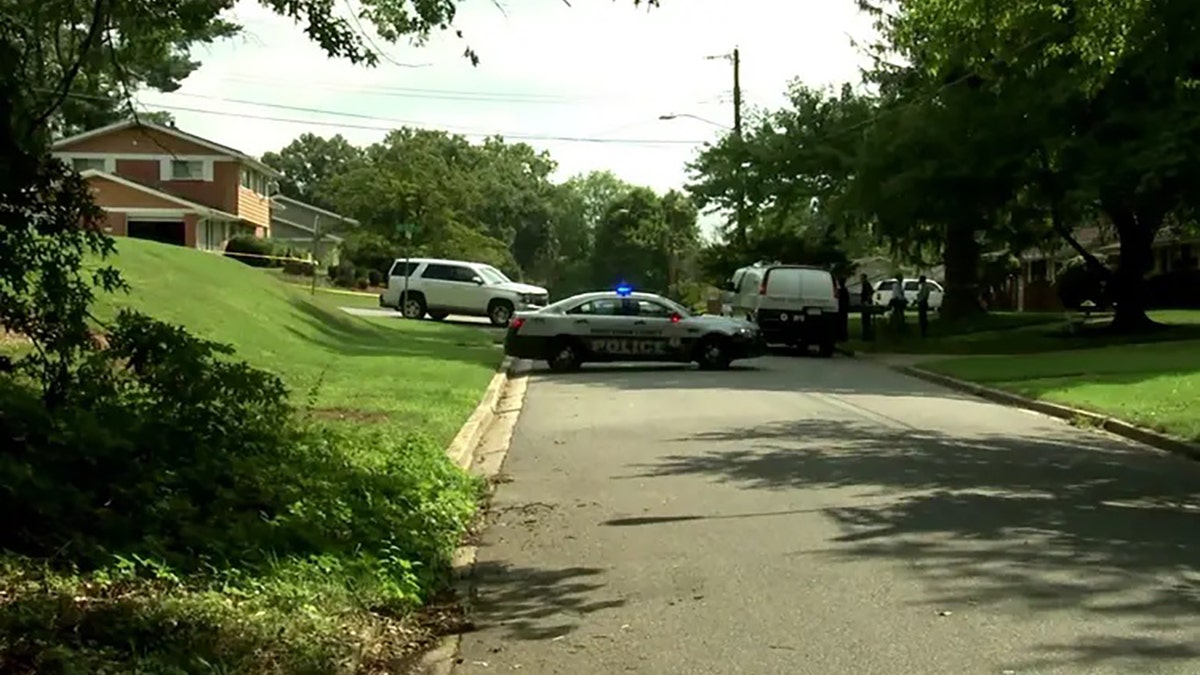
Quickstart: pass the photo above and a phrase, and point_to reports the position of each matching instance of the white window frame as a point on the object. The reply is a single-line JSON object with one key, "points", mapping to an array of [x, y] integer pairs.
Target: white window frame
{"points": [[197, 164], [107, 164]]}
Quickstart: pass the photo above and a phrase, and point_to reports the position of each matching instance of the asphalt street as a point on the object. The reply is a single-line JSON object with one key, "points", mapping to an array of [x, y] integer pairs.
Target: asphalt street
{"points": [[800, 515]]}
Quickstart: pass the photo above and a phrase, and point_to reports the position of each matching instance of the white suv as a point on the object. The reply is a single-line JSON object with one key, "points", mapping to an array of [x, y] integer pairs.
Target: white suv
{"points": [[885, 289], [443, 287]]}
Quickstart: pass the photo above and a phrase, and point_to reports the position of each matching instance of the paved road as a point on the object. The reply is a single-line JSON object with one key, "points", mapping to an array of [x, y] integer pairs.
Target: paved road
{"points": [[827, 516]]}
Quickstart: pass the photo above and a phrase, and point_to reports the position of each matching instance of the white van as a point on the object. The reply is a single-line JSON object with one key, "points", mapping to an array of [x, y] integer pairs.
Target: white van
{"points": [[792, 304]]}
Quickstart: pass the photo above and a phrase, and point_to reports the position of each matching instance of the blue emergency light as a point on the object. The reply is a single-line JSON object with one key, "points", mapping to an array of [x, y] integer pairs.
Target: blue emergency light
{"points": [[624, 290]]}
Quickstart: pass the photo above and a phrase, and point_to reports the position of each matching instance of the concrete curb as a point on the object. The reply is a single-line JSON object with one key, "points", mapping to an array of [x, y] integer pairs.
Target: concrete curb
{"points": [[462, 448], [468, 449], [1132, 432]]}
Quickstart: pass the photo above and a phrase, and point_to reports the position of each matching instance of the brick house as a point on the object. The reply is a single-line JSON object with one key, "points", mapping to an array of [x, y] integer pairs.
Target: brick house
{"points": [[157, 182], [1035, 286]]}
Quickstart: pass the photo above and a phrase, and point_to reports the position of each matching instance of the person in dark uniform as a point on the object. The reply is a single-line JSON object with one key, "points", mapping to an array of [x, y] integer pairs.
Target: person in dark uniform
{"points": [[843, 294], [923, 305], [866, 296]]}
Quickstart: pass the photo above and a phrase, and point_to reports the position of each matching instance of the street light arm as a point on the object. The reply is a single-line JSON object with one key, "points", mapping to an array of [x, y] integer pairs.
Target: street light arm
{"points": [[675, 116]]}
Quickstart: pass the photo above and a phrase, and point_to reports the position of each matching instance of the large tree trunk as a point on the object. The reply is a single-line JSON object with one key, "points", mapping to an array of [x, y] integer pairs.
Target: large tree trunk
{"points": [[1136, 233], [961, 257]]}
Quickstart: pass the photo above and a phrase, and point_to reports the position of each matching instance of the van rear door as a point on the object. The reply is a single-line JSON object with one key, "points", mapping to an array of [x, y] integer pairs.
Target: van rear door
{"points": [[801, 287]]}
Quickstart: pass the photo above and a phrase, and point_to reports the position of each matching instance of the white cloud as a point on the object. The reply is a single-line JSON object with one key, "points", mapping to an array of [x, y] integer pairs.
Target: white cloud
{"points": [[599, 69]]}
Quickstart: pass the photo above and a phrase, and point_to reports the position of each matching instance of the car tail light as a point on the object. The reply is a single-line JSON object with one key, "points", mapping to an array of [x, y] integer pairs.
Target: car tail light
{"points": [[762, 286], [675, 318], [516, 323]]}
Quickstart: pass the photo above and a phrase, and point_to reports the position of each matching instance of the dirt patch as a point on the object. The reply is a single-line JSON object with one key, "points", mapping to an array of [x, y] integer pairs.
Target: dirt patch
{"points": [[348, 415], [423, 631]]}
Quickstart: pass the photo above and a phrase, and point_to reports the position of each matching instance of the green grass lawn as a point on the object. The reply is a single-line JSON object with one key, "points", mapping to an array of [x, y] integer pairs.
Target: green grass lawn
{"points": [[423, 375], [1015, 333], [248, 542], [1154, 385]]}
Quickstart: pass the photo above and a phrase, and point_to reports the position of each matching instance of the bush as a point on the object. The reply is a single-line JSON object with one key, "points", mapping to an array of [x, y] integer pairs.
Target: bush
{"points": [[299, 268], [175, 472], [1078, 283], [1178, 289], [344, 275], [254, 246], [374, 277], [361, 283]]}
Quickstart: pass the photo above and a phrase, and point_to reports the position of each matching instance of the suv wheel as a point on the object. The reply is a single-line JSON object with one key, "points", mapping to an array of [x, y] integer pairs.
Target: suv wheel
{"points": [[499, 312], [413, 307]]}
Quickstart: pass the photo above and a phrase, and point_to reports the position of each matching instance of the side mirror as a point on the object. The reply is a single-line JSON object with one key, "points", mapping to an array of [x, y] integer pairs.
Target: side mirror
{"points": [[728, 286], [478, 280]]}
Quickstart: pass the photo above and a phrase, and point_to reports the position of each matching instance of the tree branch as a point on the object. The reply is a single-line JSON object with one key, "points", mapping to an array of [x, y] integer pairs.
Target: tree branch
{"points": [[85, 49]]}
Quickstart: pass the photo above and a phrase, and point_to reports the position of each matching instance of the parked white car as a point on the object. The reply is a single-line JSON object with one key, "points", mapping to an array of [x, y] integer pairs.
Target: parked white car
{"points": [[440, 288], [885, 288]]}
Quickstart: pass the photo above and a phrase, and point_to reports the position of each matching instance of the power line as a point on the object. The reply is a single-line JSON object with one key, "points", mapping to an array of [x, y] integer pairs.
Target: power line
{"points": [[454, 94], [393, 126]]}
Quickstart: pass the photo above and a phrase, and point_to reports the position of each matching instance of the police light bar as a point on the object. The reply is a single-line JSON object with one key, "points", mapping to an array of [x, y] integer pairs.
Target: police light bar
{"points": [[624, 290]]}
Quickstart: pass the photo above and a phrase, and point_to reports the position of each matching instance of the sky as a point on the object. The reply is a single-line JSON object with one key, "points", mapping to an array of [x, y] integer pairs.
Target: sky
{"points": [[587, 81]]}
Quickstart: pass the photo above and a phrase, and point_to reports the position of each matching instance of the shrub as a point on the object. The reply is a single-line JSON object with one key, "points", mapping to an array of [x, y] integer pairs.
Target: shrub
{"points": [[1078, 283], [254, 246], [299, 268], [361, 283], [178, 473], [374, 277]]}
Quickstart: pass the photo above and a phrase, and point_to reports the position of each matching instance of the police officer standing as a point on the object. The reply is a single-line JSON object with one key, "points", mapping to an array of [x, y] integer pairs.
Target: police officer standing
{"points": [[865, 297], [843, 295], [923, 305]]}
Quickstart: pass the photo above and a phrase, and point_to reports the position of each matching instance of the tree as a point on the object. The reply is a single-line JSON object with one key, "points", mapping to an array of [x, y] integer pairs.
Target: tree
{"points": [[1107, 103], [310, 163]]}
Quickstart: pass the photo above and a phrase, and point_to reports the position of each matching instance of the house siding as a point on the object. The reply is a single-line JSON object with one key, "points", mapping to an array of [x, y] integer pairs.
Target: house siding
{"points": [[219, 193], [116, 224], [252, 207], [114, 195], [190, 222]]}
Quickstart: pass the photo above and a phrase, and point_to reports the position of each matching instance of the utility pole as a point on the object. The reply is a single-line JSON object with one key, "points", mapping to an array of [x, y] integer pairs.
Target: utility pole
{"points": [[737, 134], [312, 254]]}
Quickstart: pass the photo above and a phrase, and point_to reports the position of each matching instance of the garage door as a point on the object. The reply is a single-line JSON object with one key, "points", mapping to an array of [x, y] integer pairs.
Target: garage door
{"points": [[165, 231]]}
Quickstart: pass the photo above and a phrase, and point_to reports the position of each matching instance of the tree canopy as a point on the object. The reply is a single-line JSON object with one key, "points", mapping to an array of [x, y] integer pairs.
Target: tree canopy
{"points": [[985, 128]]}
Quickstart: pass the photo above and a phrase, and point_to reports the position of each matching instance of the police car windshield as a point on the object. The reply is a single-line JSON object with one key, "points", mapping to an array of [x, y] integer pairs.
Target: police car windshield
{"points": [[569, 303], [493, 275]]}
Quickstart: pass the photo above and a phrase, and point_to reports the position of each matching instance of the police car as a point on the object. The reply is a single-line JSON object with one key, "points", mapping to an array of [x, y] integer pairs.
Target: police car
{"points": [[622, 325]]}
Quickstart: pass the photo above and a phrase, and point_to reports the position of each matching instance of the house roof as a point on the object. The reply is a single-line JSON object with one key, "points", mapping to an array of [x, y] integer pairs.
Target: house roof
{"points": [[170, 131], [184, 203], [305, 228], [315, 209]]}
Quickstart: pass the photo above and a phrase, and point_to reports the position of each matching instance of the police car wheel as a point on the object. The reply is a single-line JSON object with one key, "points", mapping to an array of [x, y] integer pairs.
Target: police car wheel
{"points": [[564, 356], [713, 354]]}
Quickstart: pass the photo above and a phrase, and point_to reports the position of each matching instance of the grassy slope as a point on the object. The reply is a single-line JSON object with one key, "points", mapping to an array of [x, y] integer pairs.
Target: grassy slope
{"points": [[424, 376], [1156, 385], [333, 611]]}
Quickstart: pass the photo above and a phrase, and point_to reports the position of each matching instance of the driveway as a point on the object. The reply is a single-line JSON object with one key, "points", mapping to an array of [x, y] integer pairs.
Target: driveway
{"points": [[387, 313], [827, 516]]}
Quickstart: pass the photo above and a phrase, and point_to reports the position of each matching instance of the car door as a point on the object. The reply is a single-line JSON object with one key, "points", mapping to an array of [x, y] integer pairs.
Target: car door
{"points": [[464, 289], [437, 285], [660, 332]]}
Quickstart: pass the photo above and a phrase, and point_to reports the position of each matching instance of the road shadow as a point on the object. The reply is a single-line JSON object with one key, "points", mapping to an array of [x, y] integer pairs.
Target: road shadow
{"points": [[836, 375], [529, 603], [1081, 522]]}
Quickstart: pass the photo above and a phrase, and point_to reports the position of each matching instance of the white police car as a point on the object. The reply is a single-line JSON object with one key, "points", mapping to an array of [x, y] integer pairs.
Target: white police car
{"points": [[622, 325]]}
